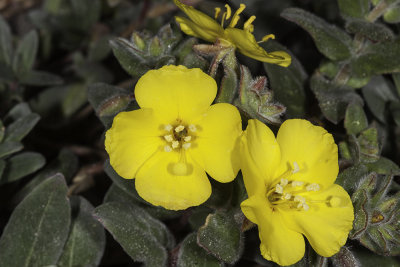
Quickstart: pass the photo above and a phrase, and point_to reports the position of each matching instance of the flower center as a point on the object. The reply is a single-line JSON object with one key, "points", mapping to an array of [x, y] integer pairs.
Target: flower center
{"points": [[290, 194], [179, 136]]}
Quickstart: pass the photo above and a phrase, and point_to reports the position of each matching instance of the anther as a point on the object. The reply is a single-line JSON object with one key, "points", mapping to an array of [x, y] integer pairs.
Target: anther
{"points": [[299, 199], [247, 24], [305, 207], [167, 149], [187, 138], [266, 38], [179, 128], [192, 128], [279, 189], [236, 16], [217, 12], [284, 182], [228, 11], [168, 127], [296, 167], [175, 144], [312, 187], [297, 183], [287, 196], [186, 145], [168, 138]]}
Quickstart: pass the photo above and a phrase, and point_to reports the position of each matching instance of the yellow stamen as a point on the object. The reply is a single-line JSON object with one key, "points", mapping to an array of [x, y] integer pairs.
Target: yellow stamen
{"points": [[186, 145], [168, 138], [248, 24], [236, 16], [168, 127], [228, 11], [297, 183], [192, 128], [284, 182], [266, 38], [187, 138], [180, 128], [312, 187], [223, 19], [167, 148], [296, 167], [279, 189], [175, 144], [217, 12]]}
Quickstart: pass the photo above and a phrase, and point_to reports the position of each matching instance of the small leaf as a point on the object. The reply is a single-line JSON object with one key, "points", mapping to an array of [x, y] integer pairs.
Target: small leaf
{"points": [[392, 15], [74, 98], [10, 147], [369, 148], [17, 130], [191, 255], [129, 57], [384, 166], [2, 131], [350, 177], [377, 93], [287, 83], [333, 100], [21, 165], [372, 31], [330, 40], [38, 228], [6, 47], [143, 238], [221, 237], [345, 258], [355, 119], [40, 78], [86, 240], [25, 54], [18, 111], [354, 8]]}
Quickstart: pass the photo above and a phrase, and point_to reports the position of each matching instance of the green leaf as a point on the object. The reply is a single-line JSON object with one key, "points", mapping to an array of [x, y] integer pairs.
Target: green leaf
{"points": [[86, 241], [21, 165], [18, 111], [74, 98], [108, 100], [368, 259], [221, 236], [6, 73], [130, 58], [143, 238], [191, 255], [10, 147], [40, 78], [354, 8], [25, 54], [368, 143], [384, 166], [6, 47], [345, 258], [376, 94], [355, 119], [287, 83], [17, 130], [332, 99], [331, 41], [2, 167], [350, 177], [372, 31], [38, 228], [392, 15], [2, 131], [379, 58]]}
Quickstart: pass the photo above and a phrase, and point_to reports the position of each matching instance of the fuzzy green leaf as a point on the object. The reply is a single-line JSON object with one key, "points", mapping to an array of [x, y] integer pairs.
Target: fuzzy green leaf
{"points": [[330, 40], [221, 236], [40, 78], [191, 255], [6, 47], [17, 130], [372, 31], [38, 228], [10, 147], [355, 119], [354, 8], [86, 240], [350, 177], [74, 98], [21, 165], [384, 166], [142, 237], [25, 54]]}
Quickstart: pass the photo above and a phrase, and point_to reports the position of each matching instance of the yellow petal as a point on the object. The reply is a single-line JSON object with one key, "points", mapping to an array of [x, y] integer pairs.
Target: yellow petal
{"points": [[215, 147], [245, 42], [132, 139], [168, 181], [260, 156], [278, 243], [312, 148], [176, 92], [200, 22], [326, 225], [192, 29]]}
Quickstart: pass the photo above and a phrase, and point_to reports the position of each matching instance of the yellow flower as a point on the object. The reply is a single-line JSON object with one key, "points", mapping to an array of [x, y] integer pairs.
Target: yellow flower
{"points": [[175, 138], [290, 184], [202, 26]]}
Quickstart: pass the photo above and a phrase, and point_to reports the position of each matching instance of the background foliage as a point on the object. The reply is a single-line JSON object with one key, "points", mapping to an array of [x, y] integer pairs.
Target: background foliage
{"points": [[67, 67]]}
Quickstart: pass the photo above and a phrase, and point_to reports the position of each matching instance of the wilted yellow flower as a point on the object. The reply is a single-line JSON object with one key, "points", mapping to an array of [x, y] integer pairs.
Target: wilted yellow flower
{"points": [[202, 26], [175, 138], [290, 184]]}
